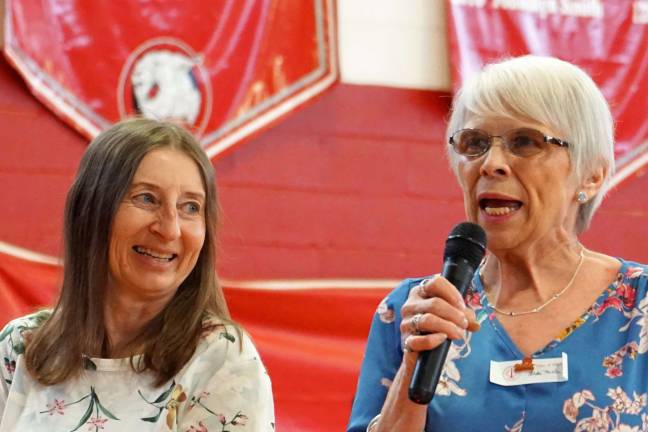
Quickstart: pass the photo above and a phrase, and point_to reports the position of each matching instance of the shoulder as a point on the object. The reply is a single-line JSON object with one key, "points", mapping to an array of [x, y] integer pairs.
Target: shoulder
{"points": [[633, 273], [17, 331], [223, 345], [226, 362], [226, 382], [629, 286]]}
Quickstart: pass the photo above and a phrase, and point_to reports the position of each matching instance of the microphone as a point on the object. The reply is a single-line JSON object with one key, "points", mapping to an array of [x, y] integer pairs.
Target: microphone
{"points": [[464, 250]]}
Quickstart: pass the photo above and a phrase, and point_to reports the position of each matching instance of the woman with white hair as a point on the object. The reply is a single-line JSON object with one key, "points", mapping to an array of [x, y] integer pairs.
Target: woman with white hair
{"points": [[562, 336]]}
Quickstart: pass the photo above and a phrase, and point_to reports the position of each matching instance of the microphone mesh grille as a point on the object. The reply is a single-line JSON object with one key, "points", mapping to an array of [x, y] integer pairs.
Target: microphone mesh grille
{"points": [[468, 241]]}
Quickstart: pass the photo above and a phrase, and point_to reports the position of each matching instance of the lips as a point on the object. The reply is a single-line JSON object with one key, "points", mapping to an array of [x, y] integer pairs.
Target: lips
{"points": [[499, 206], [158, 255]]}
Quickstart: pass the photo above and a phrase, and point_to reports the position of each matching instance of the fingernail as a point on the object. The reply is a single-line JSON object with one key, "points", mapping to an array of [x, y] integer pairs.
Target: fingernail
{"points": [[473, 326], [464, 323], [461, 304]]}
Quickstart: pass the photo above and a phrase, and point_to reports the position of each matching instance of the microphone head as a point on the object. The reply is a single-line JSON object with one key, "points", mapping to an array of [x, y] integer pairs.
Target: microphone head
{"points": [[468, 241]]}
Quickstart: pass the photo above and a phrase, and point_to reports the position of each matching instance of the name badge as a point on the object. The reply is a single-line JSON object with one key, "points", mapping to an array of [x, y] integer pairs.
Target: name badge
{"points": [[529, 371]]}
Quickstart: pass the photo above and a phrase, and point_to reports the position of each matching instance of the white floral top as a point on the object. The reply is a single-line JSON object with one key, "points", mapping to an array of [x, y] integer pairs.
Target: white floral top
{"points": [[606, 389], [222, 388]]}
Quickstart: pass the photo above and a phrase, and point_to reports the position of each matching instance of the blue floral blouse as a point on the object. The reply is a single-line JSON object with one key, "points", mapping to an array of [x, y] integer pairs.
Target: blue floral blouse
{"points": [[607, 383]]}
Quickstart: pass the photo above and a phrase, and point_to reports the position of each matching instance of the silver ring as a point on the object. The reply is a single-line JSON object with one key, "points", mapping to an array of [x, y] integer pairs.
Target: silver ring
{"points": [[416, 319]]}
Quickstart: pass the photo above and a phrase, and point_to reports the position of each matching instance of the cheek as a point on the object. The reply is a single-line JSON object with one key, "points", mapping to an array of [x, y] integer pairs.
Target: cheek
{"points": [[125, 227], [118, 238], [467, 180], [194, 238], [467, 174]]}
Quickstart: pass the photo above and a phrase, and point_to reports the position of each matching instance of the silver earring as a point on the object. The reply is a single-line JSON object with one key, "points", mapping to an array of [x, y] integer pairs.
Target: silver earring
{"points": [[581, 197]]}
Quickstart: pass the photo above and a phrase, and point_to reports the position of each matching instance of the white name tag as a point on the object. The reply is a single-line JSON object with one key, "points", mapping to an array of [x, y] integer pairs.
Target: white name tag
{"points": [[543, 371]]}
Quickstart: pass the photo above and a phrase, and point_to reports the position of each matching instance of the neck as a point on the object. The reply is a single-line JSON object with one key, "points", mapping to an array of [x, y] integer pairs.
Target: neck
{"points": [[525, 278], [124, 321]]}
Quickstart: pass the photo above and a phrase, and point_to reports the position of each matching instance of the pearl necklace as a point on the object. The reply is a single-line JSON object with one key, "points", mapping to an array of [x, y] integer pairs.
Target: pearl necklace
{"points": [[551, 299]]}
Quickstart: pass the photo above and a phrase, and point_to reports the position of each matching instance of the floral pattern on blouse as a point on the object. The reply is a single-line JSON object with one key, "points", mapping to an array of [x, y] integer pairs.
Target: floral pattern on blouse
{"points": [[224, 387], [517, 427], [607, 386], [606, 418]]}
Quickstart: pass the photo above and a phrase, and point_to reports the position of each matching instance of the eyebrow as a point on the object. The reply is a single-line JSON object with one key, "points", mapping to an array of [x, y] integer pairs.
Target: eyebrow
{"points": [[147, 185]]}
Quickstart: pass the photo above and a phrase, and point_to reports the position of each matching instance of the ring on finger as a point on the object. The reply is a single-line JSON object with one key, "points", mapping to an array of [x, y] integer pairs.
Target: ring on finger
{"points": [[416, 320], [421, 286]]}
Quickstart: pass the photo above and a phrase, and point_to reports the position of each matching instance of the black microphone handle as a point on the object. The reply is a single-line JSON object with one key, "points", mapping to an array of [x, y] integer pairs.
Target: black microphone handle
{"points": [[429, 364]]}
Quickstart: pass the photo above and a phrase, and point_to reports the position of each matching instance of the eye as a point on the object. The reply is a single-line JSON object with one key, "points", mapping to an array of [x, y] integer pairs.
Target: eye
{"points": [[473, 142], [146, 199], [520, 141], [525, 142], [191, 207]]}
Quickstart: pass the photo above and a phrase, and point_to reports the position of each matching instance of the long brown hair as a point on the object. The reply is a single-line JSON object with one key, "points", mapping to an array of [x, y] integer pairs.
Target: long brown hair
{"points": [[76, 326]]}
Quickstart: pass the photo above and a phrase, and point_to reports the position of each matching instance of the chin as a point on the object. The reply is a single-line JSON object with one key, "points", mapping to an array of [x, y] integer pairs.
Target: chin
{"points": [[158, 285], [499, 240]]}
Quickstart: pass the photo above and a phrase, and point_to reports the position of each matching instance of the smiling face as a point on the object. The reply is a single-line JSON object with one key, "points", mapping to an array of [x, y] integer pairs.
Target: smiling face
{"points": [[519, 200], [158, 229]]}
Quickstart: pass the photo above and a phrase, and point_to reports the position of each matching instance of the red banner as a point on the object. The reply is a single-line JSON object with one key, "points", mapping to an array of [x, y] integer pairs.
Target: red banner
{"points": [[607, 38], [224, 68]]}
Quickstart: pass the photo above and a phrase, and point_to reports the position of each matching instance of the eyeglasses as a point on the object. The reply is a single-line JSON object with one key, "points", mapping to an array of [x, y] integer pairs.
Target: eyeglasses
{"points": [[523, 142]]}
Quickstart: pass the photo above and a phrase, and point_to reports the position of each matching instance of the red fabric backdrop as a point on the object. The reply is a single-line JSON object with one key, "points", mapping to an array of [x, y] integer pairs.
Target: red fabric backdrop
{"points": [[225, 71]]}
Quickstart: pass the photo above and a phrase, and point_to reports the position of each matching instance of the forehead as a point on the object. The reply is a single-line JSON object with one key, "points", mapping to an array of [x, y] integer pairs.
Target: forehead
{"points": [[499, 124], [169, 168]]}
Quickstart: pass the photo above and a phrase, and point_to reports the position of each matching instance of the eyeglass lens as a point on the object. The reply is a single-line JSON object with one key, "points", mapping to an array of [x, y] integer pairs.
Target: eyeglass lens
{"points": [[521, 142]]}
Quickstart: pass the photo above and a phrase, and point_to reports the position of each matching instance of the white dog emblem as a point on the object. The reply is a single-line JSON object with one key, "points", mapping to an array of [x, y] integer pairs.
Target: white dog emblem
{"points": [[164, 86]]}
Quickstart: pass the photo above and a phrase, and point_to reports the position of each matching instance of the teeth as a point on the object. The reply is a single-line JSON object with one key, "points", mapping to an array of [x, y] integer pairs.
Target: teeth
{"points": [[154, 254], [497, 211]]}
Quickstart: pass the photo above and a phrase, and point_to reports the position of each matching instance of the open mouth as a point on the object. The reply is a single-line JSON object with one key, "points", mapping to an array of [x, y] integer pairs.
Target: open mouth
{"points": [[154, 254], [499, 207]]}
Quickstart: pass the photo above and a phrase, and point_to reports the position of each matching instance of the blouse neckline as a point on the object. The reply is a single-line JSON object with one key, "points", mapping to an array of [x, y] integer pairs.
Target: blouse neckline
{"points": [[491, 316]]}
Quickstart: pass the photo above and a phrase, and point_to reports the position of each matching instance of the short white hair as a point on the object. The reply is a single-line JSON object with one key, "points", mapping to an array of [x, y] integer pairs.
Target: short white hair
{"points": [[554, 93]]}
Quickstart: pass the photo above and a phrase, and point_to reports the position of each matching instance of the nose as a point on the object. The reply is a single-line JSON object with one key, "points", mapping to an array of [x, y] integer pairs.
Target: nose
{"points": [[496, 160], [167, 224]]}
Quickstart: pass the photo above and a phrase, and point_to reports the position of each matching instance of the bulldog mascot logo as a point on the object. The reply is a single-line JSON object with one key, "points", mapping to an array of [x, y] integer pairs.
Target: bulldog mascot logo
{"points": [[165, 79]]}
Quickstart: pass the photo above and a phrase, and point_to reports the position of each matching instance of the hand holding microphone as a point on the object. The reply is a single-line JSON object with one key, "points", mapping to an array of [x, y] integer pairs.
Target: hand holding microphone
{"points": [[440, 309]]}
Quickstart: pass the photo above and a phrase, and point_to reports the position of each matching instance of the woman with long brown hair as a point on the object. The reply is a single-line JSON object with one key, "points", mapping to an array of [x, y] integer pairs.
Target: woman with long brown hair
{"points": [[140, 338]]}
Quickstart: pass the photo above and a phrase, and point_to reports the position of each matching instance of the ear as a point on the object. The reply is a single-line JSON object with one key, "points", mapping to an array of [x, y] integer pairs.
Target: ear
{"points": [[593, 181]]}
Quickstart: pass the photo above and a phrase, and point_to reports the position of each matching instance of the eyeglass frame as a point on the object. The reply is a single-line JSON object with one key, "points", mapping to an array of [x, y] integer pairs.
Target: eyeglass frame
{"points": [[547, 138]]}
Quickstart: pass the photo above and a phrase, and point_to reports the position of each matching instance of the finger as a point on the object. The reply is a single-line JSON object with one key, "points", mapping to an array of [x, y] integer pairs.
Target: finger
{"points": [[417, 343], [421, 288], [431, 324], [473, 324], [435, 306], [438, 286]]}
